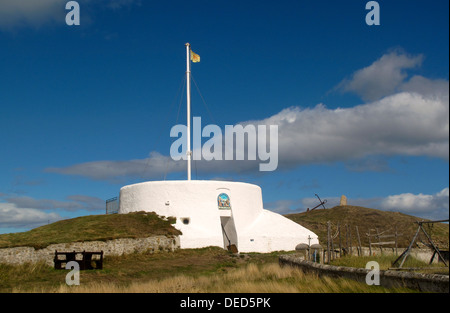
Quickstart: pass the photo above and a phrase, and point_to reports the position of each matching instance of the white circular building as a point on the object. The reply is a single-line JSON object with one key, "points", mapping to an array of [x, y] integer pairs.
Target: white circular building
{"points": [[217, 213]]}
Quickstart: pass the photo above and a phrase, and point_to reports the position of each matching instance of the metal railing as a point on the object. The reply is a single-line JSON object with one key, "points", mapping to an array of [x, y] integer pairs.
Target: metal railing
{"points": [[112, 206]]}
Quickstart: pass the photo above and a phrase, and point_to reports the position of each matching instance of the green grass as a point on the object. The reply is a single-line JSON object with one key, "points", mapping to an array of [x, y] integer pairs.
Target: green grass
{"points": [[249, 278], [131, 268], [141, 224], [183, 270], [209, 269], [385, 262], [93, 227]]}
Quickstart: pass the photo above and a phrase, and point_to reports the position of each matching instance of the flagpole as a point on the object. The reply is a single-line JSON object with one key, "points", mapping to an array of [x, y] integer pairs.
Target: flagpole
{"points": [[188, 88]]}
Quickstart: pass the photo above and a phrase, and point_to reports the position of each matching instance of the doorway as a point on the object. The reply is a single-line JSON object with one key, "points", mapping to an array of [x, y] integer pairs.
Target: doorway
{"points": [[230, 241]]}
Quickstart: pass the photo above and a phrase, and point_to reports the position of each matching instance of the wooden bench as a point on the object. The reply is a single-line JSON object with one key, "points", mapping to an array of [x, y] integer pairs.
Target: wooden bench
{"points": [[85, 260]]}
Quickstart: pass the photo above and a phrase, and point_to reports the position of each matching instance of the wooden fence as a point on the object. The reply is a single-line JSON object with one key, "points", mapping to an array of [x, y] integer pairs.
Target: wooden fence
{"points": [[346, 239]]}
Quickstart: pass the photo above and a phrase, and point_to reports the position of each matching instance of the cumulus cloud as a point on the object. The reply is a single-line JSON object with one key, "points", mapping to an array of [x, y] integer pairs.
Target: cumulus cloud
{"points": [[413, 121], [381, 78], [15, 13], [408, 124], [402, 124], [431, 88], [12, 216], [155, 166], [73, 203], [36, 13], [435, 205], [27, 212]]}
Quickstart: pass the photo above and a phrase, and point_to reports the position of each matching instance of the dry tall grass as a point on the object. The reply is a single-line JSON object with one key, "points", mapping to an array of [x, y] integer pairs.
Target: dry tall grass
{"points": [[268, 278]]}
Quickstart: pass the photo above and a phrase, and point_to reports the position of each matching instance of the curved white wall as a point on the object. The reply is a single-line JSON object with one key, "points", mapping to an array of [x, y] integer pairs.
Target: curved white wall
{"points": [[257, 230]]}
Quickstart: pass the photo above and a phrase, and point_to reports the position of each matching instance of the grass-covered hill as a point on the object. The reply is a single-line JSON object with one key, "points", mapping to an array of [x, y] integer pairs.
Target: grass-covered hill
{"points": [[144, 224], [366, 219], [92, 227]]}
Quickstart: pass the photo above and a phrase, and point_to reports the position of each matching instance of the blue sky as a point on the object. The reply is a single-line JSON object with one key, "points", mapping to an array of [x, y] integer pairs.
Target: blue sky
{"points": [[361, 110]]}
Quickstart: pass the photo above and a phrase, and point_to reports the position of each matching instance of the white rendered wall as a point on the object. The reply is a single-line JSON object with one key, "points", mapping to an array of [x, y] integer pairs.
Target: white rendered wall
{"points": [[257, 230]]}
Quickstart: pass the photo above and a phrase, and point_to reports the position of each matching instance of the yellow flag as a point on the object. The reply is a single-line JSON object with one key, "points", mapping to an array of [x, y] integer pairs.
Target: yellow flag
{"points": [[195, 57]]}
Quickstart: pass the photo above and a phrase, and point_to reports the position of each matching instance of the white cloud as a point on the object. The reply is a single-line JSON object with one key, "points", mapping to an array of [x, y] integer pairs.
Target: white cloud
{"points": [[431, 88], [73, 203], [402, 124], [12, 216], [413, 121], [427, 206], [27, 212], [35, 13], [156, 165], [423, 204], [382, 77], [407, 123]]}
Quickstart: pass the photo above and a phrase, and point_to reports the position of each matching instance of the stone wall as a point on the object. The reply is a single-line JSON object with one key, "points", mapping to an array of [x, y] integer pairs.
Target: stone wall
{"points": [[423, 254], [389, 279], [21, 255]]}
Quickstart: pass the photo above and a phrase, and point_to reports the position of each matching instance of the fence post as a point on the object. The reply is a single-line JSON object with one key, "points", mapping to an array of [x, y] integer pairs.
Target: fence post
{"points": [[359, 242], [333, 255], [370, 244], [340, 243], [350, 239], [379, 240], [346, 239], [396, 252], [328, 240]]}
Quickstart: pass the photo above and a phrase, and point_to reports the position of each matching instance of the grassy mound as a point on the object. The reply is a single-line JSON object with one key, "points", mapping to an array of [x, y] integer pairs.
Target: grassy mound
{"points": [[210, 269], [92, 227], [366, 219]]}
